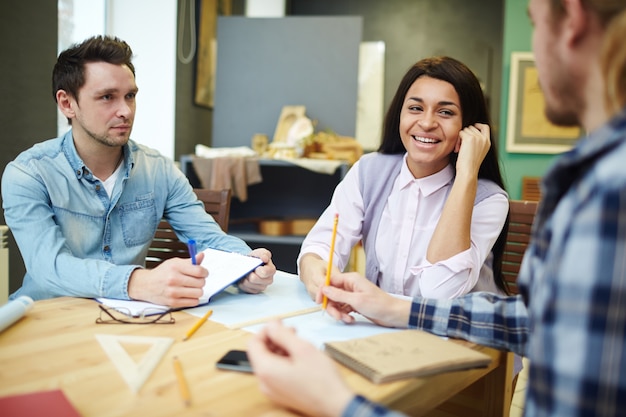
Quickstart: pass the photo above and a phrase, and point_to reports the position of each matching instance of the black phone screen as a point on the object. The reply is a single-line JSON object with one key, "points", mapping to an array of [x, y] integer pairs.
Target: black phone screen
{"points": [[235, 360]]}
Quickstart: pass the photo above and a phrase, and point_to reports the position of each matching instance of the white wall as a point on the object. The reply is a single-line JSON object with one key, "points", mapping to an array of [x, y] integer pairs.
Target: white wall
{"points": [[265, 8], [149, 27], [78, 20]]}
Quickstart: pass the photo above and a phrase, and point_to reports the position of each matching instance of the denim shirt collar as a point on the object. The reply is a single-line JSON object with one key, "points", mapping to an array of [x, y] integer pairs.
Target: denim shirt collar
{"points": [[78, 166]]}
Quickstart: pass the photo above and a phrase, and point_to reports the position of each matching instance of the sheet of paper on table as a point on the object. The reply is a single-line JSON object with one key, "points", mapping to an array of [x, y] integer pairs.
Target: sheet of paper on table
{"points": [[287, 294]]}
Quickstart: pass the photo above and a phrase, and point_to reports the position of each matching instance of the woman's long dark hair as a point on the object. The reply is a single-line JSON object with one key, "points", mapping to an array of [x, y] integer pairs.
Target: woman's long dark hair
{"points": [[474, 110]]}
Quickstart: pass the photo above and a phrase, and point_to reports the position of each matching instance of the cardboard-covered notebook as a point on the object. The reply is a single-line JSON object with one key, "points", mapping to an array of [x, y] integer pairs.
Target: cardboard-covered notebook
{"points": [[405, 354]]}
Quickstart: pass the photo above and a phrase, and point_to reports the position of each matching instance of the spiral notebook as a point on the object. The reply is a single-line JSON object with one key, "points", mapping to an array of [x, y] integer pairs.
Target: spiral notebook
{"points": [[405, 354]]}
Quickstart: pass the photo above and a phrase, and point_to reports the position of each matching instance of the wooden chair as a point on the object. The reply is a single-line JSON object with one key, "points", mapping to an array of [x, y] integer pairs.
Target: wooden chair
{"points": [[521, 216], [531, 188], [165, 244], [217, 204]]}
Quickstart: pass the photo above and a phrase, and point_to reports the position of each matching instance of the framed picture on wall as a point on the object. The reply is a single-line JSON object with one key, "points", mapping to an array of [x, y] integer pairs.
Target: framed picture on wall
{"points": [[528, 129], [207, 49]]}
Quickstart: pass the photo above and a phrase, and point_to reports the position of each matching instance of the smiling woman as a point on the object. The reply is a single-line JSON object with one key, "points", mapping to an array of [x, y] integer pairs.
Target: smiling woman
{"points": [[429, 206]]}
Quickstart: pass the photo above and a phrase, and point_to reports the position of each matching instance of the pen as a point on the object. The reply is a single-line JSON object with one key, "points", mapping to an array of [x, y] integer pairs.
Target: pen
{"points": [[197, 325], [191, 244], [182, 383], [330, 257]]}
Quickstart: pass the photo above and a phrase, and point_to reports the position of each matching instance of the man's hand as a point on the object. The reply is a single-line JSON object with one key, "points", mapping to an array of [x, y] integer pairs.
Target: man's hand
{"points": [[295, 374], [351, 292], [175, 283], [263, 276]]}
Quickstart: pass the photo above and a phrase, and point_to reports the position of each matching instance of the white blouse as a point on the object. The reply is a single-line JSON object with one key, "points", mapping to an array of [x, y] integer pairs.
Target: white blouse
{"points": [[406, 227]]}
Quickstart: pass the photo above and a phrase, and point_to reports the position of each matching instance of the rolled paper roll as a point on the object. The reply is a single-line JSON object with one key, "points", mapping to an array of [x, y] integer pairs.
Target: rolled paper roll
{"points": [[14, 310]]}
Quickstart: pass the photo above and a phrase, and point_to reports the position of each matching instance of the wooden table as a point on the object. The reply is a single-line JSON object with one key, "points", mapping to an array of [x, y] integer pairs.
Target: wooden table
{"points": [[55, 347]]}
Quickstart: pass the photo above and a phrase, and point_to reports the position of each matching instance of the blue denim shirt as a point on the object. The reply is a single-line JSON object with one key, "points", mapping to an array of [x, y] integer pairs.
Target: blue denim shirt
{"points": [[75, 240]]}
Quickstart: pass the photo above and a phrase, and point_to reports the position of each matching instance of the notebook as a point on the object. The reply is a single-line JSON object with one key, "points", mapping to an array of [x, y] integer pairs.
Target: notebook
{"points": [[225, 268], [51, 403], [405, 354]]}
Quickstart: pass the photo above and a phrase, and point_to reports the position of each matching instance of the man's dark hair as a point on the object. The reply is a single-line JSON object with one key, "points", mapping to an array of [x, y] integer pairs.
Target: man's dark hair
{"points": [[69, 71]]}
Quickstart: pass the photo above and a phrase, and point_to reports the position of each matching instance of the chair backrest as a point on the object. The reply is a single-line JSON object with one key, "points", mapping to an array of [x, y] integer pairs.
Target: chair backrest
{"points": [[531, 188], [165, 244], [217, 204], [521, 217]]}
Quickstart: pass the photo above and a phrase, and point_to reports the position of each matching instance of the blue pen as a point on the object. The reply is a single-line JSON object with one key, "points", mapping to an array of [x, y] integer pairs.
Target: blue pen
{"points": [[191, 244]]}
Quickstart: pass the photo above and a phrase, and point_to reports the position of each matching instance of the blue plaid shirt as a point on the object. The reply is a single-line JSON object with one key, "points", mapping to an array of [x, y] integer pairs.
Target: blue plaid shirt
{"points": [[573, 290]]}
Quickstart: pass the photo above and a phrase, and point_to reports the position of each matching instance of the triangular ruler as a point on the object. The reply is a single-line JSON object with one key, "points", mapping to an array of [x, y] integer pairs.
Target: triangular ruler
{"points": [[135, 374]]}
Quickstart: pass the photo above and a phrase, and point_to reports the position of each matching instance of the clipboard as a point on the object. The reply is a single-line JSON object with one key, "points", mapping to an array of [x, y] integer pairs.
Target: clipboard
{"points": [[225, 268]]}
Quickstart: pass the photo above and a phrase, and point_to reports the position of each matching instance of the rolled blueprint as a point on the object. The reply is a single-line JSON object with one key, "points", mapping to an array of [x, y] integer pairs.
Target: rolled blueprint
{"points": [[14, 310]]}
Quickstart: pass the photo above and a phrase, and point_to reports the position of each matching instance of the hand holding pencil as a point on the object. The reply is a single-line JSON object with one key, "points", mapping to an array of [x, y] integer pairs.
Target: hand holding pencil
{"points": [[330, 258]]}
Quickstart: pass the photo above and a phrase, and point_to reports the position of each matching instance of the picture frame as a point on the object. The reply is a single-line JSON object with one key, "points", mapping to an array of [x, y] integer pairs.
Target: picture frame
{"points": [[288, 116], [528, 129], [207, 50]]}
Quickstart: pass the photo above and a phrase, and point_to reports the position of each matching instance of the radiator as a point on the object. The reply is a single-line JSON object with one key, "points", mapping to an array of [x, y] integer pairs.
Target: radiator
{"points": [[4, 264]]}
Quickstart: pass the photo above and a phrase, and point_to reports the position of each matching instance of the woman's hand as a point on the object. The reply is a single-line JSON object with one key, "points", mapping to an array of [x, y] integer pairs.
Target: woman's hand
{"points": [[472, 146], [313, 273]]}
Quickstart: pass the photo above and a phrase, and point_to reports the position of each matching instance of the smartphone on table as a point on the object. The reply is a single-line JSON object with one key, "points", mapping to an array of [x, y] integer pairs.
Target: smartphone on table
{"points": [[235, 360]]}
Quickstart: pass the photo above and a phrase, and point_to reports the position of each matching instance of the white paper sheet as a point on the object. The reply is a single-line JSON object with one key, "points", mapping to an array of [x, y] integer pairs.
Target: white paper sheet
{"points": [[224, 269], [285, 295]]}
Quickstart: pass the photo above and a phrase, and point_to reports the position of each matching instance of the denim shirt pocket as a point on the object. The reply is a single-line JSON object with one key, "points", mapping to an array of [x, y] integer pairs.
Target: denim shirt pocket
{"points": [[139, 220]]}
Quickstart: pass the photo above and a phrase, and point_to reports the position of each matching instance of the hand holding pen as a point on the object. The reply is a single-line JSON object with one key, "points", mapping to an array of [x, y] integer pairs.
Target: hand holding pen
{"points": [[174, 282], [193, 251]]}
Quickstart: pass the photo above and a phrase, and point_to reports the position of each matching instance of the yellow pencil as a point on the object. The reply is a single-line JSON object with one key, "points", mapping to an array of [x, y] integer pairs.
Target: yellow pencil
{"points": [[330, 257], [182, 383], [197, 325]]}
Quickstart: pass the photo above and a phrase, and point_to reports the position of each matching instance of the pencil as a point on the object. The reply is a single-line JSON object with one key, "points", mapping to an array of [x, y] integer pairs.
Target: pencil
{"points": [[330, 258], [182, 383], [274, 317], [196, 326]]}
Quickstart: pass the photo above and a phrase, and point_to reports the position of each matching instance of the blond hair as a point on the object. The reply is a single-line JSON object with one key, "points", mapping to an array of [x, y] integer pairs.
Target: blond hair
{"points": [[612, 16], [605, 10], [613, 62]]}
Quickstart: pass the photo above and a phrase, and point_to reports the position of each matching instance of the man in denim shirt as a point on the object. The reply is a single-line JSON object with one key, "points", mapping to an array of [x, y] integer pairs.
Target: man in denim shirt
{"points": [[84, 207]]}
